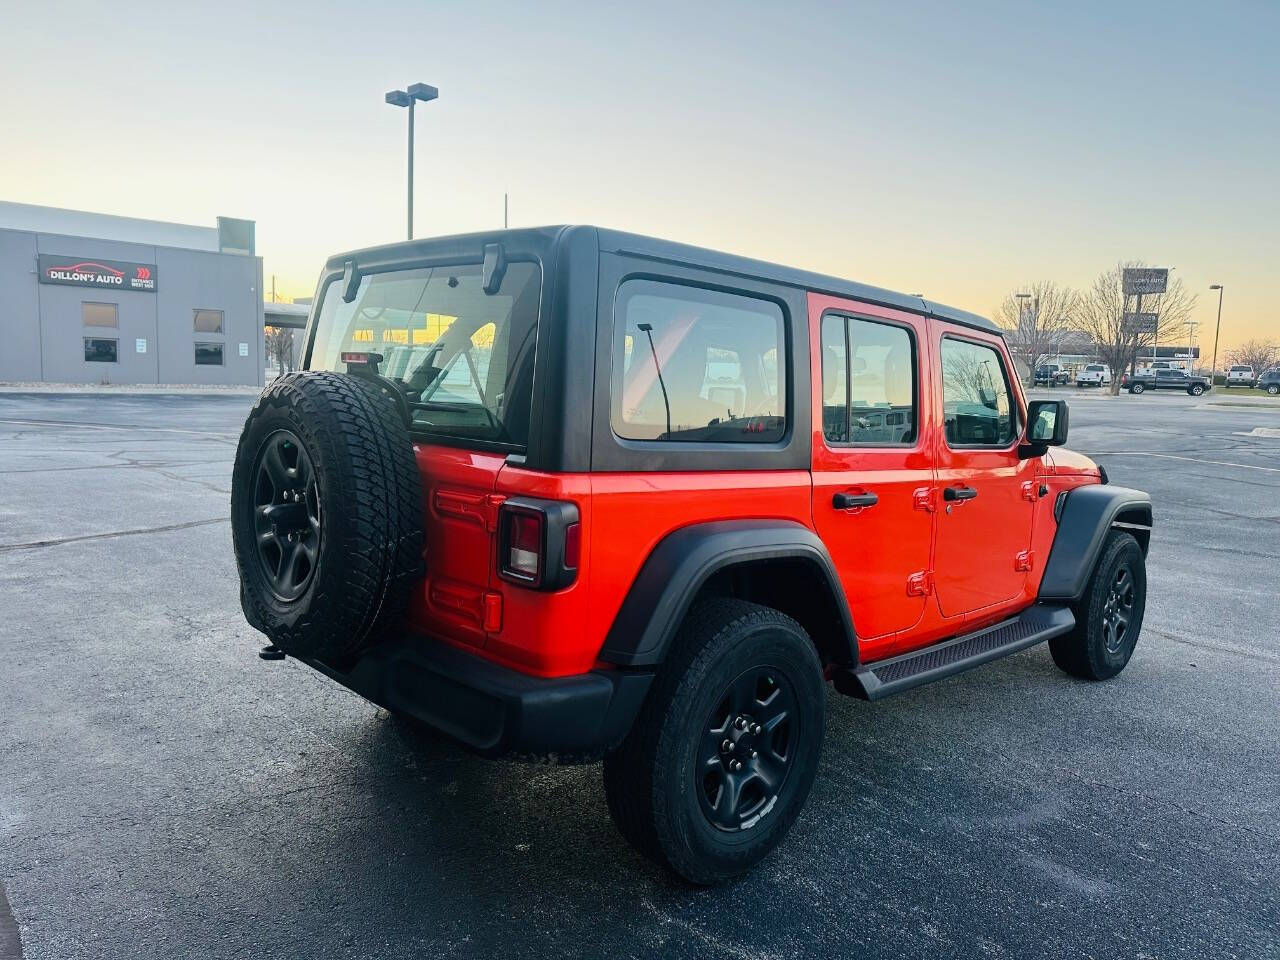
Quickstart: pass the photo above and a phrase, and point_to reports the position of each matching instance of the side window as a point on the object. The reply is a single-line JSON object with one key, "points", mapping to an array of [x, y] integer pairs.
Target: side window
{"points": [[868, 382], [977, 403], [697, 365]]}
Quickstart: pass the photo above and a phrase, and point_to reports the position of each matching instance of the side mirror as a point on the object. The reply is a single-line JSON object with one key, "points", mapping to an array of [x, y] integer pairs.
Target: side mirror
{"points": [[1047, 422]]}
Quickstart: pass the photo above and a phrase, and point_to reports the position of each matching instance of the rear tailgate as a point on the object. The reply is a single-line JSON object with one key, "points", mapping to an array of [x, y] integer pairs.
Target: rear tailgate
{"points": [[461, 512]]}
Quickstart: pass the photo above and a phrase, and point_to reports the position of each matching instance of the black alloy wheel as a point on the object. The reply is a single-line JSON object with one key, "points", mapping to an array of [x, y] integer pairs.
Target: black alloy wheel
{"points": [[286, 515], [1117, 610], [748, 745]]}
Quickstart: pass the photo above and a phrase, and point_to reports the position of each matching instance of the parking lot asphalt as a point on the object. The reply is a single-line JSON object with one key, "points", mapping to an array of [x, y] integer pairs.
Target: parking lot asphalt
{"points": [[163, 792]]}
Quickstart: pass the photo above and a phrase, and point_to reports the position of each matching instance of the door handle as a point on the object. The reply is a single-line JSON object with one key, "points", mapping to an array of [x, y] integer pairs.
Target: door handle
{"points": [[959, 493], [848, 501]]}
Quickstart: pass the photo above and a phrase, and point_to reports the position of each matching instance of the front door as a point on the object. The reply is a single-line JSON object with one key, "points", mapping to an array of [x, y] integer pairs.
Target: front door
{"points": [[872, 469], [985, 489]]}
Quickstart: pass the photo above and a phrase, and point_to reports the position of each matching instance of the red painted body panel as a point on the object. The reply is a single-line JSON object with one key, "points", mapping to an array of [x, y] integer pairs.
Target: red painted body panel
{"points": [[875, 549], [913, 573]]}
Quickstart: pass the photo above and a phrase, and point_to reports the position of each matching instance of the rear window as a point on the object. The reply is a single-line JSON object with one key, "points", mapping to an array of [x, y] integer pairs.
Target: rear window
{"points": [[463, 358], [695, 365], [1094, 368], [1239, 369]]}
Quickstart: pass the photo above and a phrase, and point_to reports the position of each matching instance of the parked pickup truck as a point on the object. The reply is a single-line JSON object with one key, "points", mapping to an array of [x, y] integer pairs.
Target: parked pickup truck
{"points": [[1052, 375], [1163, 379], [1240, 375], [1093, 375], [568, 494]]}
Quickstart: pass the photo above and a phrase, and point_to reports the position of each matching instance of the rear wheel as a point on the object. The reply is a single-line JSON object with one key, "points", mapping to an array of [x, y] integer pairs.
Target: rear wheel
{"points": [[1136, 388], [1109, 615], [722, 756]]}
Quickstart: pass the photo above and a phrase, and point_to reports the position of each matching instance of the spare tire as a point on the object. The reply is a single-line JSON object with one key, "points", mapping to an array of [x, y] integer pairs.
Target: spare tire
{"points": [[326, 515]]}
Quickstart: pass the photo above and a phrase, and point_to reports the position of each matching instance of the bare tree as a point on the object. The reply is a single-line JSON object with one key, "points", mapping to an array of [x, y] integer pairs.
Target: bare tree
{"points": [[279, 342], [1259, 354], [1101, 315], [1037, 324]]}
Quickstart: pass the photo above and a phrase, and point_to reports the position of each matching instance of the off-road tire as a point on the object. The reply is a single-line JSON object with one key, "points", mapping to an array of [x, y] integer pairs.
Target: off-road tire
{"points": [[370, 535], [650, 780], [1084, 651]]}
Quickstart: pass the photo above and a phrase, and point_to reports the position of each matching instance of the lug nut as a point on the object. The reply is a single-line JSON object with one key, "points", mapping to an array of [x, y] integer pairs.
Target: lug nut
{"points": [[727, 746], [735, 765], [756, 728], [740, 723], [752, 755]]}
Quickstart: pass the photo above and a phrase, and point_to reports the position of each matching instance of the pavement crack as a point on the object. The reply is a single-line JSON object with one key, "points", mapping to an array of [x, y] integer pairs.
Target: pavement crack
{"points": [[36, 544]]}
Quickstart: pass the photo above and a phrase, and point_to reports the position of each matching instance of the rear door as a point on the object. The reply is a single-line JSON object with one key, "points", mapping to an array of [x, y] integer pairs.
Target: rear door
{"points": [[986, 490], [872, 463]]}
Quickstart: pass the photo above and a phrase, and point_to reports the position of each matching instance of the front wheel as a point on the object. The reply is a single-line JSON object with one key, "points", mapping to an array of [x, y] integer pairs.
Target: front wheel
{"points": [[1109, 615], [723, 753], [1196, 390], [1273, 389]]}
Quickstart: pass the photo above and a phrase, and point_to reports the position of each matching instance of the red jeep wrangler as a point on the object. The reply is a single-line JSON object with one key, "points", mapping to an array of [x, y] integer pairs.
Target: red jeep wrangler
{"points": [[571, 494]]}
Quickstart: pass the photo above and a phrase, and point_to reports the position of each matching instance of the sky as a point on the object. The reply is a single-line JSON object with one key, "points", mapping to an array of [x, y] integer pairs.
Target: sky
{"points": [[955, 150]]}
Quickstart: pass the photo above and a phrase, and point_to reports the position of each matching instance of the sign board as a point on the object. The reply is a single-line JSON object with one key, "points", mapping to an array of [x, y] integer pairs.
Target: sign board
{"points": [[87, 272], [244, 349], [140, 345], [1141, 322], [1142, 280]]}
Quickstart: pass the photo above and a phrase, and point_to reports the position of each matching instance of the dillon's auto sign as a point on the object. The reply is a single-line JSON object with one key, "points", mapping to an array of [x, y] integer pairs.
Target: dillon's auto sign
{"points": [[87, 272]]}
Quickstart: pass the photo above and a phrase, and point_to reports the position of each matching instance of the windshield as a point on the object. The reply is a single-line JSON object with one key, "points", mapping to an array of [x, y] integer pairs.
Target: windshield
{"points": [[463, 358]]}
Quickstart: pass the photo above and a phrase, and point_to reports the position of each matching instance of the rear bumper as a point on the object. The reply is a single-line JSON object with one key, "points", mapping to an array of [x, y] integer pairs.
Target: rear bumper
{"points": [[494, 710]]}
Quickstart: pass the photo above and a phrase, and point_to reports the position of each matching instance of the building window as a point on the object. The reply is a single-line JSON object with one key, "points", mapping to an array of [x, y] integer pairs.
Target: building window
{"points": [[208, 321], [98, 350], [695, 365], [208, 354], [100, 314]]}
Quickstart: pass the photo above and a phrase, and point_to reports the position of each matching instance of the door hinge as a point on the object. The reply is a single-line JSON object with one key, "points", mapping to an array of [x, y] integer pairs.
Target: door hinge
{"points": [[1024, 561], [920, 584], [922, 498], [492, 502]]}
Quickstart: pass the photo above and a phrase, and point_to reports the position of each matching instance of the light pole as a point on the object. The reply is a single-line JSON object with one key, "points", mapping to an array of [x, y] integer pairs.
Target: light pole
{"points": [[1216, 330], [407, 98]]}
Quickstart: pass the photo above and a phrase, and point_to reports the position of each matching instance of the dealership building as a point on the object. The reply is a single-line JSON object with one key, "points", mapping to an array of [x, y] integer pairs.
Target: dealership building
{"points": [[92, 298]]}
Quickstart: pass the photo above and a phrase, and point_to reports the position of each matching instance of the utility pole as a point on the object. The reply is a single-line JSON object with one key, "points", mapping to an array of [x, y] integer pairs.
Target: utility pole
{"points": [[1216, 330], [273, 288], [504, 211]]}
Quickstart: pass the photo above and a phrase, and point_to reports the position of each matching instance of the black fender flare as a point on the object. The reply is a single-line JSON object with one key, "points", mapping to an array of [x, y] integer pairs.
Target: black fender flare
{"points": [[1085, 516], [681, 563]]}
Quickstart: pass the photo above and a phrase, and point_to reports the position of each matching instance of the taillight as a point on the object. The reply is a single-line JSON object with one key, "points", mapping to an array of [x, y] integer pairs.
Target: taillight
{"points": [[524, 545], [539, 542], [572, 545]]}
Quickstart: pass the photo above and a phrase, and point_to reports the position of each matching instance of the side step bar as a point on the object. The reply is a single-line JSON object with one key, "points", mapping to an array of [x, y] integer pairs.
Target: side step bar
{"points": [[885, 677]]}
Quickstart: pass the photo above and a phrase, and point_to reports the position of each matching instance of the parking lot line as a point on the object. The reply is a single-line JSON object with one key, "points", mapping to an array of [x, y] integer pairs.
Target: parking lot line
{"points": [[1170, 456]]}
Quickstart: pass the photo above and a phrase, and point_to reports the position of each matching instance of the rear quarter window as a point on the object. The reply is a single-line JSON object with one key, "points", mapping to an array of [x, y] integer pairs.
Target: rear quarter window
{"points": [[696, 365]]}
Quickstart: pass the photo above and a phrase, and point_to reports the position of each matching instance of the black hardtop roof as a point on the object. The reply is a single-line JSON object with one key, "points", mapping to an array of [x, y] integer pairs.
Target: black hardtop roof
{"points": [[616, 241]]}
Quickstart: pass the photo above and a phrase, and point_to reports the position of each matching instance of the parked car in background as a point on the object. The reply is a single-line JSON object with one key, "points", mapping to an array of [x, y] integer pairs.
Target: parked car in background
{"points": [[1093, 375], [1163, 379], [1240, 375], [1052, 375], [1269, 381]]}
